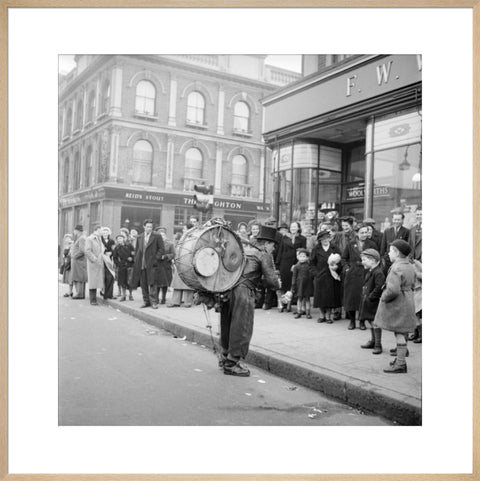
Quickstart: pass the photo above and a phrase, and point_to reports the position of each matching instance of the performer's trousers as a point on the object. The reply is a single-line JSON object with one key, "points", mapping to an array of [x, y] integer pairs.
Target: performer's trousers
{"points": [[236, 322], [149, 290]]}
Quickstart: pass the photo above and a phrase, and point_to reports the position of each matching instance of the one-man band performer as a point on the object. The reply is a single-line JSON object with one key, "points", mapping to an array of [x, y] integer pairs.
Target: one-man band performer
{"points": [[236, 315]]}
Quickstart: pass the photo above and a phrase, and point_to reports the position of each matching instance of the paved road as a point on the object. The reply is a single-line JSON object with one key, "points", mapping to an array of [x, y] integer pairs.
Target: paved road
{"points": [[117, 370]]}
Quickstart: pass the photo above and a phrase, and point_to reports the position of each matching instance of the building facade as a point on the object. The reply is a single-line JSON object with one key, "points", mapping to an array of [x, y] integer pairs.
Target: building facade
{"points": [[347, 137], [137, 132]]}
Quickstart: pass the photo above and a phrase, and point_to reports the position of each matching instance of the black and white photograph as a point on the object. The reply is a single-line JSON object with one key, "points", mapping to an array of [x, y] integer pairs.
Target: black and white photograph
{"points": [[240, 240]]}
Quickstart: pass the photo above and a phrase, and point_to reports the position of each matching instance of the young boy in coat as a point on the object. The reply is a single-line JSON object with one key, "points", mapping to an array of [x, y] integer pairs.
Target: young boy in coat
{"points": [[302, 283], [396, 310], [371, 292]]}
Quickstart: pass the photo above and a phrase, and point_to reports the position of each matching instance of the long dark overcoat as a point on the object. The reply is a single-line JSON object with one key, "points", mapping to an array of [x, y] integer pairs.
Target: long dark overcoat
{"points": [[153, 253], [302, 281], [121, 256], [79, 261], [396, 310], [371, 292], [354, 273], [327, 291], [164, 272], [286, 257]]}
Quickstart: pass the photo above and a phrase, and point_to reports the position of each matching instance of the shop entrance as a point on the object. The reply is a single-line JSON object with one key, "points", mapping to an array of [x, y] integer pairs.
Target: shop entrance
{"points": [[133, 216]]}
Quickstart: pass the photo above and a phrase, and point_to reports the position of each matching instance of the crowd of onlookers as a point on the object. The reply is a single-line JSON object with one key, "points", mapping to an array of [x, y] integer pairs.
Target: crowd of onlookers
{"points": [[324, 270]]}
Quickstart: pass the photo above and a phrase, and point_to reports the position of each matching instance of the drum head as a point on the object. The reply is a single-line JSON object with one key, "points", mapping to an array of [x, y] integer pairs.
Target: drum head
{"points": [[233, 257], [206, 262]]}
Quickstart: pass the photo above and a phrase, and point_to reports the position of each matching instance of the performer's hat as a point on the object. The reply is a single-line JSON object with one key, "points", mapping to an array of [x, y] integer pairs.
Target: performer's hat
{"points": [[267, 233]]}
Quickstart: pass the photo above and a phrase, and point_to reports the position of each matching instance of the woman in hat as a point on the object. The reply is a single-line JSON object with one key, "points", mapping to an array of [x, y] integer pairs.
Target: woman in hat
{"points": [[396, 310], [286, 256], [66, 267], [123, 256], [354, 275], [327, 286]]}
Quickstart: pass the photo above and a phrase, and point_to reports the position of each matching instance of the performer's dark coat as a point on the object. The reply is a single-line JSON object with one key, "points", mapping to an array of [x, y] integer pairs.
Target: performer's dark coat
{"points": [[236, 317]]}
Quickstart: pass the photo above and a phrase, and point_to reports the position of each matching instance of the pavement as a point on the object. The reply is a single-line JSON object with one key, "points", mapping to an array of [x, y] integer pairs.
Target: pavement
{"points": [[323, 357]]}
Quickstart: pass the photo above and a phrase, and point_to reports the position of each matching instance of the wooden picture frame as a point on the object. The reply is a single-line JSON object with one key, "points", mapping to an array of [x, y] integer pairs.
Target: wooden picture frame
{"points": [[474, 5]]}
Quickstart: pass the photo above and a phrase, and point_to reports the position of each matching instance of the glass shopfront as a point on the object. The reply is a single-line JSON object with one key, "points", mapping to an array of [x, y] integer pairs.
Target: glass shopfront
{"points": [[312, 179]]}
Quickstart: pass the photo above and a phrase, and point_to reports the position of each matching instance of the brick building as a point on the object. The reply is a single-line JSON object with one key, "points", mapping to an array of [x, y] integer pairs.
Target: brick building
{"points": [[137, 132]]}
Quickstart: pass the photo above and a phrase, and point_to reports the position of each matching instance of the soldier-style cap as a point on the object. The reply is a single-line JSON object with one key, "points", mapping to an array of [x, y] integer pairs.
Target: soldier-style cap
{"points": [[267, 233]]}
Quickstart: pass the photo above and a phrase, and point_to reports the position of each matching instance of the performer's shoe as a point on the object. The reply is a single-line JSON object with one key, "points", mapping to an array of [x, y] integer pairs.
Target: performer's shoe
{"points": [[233, 368]]}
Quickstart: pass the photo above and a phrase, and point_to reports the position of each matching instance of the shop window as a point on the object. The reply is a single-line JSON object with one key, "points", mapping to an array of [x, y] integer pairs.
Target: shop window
{"points": [[241, 117], [145, 98], [88, 166], [355, 168], [76, 171], [142, 162], [182, 217], [79, 116], [66, 175], [196, 108], [134, 216], [397, 183], [91, 107], [193, 168]]}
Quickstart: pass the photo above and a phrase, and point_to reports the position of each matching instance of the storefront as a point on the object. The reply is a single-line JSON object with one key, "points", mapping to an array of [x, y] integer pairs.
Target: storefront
{"points": [[348, 139], [117, 207]]}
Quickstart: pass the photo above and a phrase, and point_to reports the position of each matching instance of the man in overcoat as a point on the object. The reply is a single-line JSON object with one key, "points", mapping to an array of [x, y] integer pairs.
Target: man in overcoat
{"points": [[148, 253], [95, 267], [236, 315], [396, 232], [164, 273], [415, 237], [79, 262]]}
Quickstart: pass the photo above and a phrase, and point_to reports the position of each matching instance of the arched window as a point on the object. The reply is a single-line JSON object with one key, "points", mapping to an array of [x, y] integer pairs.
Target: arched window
{"points": [[196, 108], [88, 166], [68, 123], [145, 98], [66, 175], [239, 170], [91, 106], [241, 117], [79, 115], [76, 172], [193, 164], [142, 162], [105, 100]]}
